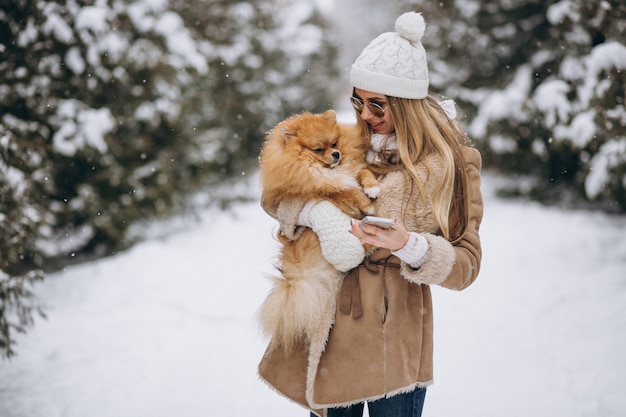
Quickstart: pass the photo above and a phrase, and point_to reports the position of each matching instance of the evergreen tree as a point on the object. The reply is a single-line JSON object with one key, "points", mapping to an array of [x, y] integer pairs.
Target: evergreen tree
{"points": [[268, 59], [18, 219], [543, 86], [114, 112]]}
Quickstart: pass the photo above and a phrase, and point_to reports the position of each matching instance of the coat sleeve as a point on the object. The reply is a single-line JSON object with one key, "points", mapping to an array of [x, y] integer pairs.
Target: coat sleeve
{"points": [[455, 266], [286, 212]]}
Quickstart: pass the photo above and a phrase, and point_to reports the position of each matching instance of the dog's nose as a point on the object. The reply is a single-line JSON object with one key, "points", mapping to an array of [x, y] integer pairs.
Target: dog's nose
{"points": [[336, 155]]}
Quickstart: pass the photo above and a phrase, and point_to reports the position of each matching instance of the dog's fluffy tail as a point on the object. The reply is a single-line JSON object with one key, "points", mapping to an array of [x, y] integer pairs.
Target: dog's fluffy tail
{"points": [[301, 296]]}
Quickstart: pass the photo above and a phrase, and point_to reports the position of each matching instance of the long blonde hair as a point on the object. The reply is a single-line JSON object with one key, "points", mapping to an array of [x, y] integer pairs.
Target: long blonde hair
{"points": [[422, 129]]}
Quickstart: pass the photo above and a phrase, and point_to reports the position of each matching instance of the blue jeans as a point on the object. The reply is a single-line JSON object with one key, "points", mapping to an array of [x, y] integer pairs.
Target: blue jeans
{"points": [[409, 404]]}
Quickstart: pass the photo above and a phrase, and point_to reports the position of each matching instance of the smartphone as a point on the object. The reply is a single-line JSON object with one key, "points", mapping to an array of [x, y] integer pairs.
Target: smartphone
{"points": [[378, 221]]}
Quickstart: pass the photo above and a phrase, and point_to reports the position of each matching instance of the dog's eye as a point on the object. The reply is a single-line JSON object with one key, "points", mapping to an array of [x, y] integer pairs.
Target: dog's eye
{"points": [[334, 145], [318, 150]]}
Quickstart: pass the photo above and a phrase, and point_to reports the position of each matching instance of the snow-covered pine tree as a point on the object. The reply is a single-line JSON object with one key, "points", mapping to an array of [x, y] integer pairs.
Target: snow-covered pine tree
{"points": [[18, 257], [267, 59], [92, 93], [542, 84], [113, 112], [561, 115]]}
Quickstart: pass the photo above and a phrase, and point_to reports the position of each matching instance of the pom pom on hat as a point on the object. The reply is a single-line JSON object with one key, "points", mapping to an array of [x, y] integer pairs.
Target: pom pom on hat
{"points": [[394, 63], [411, 26]]}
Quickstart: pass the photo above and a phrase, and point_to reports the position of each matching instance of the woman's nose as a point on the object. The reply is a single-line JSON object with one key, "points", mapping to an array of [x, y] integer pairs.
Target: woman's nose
{"points": [[366, 114]]}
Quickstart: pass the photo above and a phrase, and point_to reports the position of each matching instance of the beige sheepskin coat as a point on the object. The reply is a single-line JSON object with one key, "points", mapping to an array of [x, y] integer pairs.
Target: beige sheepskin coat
{"points": [[377, 340]]}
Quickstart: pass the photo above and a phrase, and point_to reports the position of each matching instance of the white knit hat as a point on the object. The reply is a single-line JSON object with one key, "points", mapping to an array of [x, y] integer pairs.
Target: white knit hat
{"points": [[394, 64]]}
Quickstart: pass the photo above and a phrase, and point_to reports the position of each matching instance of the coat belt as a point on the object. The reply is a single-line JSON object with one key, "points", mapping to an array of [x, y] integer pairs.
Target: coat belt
{"points": [[350, 295]]}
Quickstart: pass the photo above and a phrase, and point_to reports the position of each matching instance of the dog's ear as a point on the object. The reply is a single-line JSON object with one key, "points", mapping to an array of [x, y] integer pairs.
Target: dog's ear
{"points": [[330, 115], [286, 133]]}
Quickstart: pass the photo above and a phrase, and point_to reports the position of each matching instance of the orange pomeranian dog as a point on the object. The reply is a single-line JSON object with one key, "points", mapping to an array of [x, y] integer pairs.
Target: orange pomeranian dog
{"points": [[310, 157]]}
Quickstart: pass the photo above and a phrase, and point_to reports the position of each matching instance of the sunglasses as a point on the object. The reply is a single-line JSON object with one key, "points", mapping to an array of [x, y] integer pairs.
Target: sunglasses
{"points": [[375, 108]]}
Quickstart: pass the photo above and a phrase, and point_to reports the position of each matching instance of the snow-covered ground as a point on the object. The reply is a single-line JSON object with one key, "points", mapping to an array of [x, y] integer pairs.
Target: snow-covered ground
{"points": [[168, 328]]}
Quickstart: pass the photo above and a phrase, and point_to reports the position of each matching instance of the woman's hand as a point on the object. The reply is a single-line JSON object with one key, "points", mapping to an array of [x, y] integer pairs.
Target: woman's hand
{"points": [[393, 238]]}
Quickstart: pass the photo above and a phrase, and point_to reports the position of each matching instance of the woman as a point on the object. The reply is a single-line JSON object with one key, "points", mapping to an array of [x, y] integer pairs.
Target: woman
{"points": [[376, 347]]}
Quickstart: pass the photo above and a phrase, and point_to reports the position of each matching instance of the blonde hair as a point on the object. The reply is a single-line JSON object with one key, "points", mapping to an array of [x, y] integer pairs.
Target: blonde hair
{"points": [[422, 129]]}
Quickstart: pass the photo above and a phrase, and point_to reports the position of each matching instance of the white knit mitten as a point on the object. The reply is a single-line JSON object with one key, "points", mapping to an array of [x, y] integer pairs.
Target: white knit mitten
{"points": [[340, 248]]}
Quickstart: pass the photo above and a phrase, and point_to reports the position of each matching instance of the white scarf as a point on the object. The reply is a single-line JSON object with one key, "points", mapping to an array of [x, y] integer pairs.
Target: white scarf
{"points": [[378, 144]]}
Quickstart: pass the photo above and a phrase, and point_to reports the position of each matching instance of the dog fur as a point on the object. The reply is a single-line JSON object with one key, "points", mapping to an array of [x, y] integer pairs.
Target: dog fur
{"points": [[310, 157]]}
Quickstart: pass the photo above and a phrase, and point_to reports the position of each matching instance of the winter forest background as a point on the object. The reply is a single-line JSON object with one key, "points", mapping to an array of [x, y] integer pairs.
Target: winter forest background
{"points": [[113, 113]]}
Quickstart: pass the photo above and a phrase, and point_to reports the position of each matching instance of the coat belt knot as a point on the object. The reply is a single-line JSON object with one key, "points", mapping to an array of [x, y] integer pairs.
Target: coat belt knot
{"points": [[350, 294]]}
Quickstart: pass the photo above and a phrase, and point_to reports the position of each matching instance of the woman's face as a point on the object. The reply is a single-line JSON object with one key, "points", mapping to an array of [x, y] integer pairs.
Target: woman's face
{"points": [[383, 125]]}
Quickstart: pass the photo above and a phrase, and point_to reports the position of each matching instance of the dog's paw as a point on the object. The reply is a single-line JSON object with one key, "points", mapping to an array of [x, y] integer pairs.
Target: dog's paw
{"points": [[370, 211], [372, 192]]}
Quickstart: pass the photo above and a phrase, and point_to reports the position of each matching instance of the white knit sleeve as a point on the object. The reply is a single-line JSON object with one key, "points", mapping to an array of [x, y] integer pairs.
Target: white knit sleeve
{"points": [[414, 252]]}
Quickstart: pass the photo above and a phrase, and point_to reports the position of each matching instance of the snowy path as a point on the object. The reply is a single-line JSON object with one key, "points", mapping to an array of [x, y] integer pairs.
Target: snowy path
{"points": [[167, 329]]}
